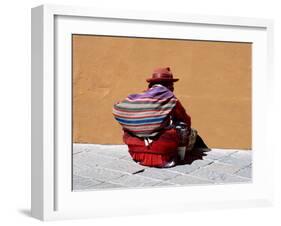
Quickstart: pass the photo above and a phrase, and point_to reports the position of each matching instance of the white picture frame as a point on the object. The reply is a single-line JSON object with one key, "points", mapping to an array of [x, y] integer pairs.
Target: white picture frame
{"points": [[52, 27]]}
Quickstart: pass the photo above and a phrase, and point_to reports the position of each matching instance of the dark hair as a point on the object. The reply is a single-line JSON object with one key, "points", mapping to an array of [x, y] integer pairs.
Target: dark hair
{"points": [[163, 83]]}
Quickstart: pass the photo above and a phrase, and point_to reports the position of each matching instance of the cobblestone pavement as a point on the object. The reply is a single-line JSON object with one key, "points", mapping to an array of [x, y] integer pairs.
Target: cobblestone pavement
{"points": [[110, 166]]}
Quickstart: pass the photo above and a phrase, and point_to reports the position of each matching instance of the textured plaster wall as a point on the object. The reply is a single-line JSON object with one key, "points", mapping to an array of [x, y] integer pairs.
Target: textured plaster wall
{"points": [[214, 86]]}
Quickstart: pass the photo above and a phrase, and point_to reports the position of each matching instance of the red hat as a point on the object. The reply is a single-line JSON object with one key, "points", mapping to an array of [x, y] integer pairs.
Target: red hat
{"points": [[162, 75]]}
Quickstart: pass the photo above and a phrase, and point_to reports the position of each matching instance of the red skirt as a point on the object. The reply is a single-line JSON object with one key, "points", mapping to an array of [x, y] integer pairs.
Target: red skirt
{"points": [[163, 149]]}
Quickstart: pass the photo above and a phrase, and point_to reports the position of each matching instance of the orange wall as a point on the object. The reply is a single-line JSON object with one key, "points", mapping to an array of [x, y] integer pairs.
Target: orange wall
{"points": [[214, 86]]}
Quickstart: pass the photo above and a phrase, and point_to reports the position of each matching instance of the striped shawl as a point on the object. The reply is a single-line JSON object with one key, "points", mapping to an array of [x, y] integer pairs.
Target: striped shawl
{"points": [[144, 114]]}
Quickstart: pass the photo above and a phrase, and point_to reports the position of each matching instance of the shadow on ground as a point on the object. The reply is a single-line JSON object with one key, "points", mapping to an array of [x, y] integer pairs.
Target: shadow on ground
{"points": [[25, 212], [193, 156]]}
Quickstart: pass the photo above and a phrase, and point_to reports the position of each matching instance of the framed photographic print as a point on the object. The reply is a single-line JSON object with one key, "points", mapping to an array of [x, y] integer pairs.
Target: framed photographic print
{"points": [[137, 112]]}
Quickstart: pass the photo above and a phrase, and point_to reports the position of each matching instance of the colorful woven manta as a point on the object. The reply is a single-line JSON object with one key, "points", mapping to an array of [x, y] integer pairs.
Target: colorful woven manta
{"points": [[143, 114]]}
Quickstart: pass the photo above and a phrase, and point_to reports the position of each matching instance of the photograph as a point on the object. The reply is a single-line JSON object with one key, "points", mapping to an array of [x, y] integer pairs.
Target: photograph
{"points": [[160, 112]]}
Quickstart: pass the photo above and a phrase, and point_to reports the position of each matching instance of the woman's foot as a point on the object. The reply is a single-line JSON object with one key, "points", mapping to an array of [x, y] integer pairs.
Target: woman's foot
{"points": [[170, 164]]}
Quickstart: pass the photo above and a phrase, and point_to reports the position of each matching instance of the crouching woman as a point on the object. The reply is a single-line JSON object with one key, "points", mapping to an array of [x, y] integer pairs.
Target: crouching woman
{"points": [[156, 127]]}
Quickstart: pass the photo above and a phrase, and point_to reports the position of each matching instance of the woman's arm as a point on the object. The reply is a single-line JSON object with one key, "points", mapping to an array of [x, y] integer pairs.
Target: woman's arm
{"points": [[179, 114]]}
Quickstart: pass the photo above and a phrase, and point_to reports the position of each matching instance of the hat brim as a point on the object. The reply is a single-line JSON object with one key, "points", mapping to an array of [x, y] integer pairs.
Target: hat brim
{"points": [[162, 80]]}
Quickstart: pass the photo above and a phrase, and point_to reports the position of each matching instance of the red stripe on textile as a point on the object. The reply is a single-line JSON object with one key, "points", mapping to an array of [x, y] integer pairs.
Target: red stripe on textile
{"points": [[146, 132], [146, 125]]}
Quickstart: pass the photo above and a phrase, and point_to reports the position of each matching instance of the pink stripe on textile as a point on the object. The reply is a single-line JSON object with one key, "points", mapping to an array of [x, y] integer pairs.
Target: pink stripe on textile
{"points": [[147, 114], [150, 100], [139, 111]]}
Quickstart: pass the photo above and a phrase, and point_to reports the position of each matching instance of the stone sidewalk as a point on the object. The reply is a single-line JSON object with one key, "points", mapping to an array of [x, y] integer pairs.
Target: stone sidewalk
{"points": [[110, 166]]}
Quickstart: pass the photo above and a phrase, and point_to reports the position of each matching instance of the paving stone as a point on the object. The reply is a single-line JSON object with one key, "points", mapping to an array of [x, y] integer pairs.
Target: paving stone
{"points": [[109, 147], [211, 171], [76, 151], [245, 172], [105, 185], [188, 168], [98, 166], [124, 166], [77, 168], [135, 181], [237, 160], [99, 173], [221, 167], [230, 178], [114, 147], [188, 179], [127, 157], [246, 155], [91, 159], [77, 148], [165, 183], [82, 183], [158, 173], [116, 151], [215, 154]]}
